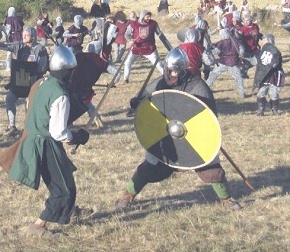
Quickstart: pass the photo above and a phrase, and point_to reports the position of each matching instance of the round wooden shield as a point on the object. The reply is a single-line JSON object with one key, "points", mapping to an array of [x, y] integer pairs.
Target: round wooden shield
{"points": [[178, 129]]}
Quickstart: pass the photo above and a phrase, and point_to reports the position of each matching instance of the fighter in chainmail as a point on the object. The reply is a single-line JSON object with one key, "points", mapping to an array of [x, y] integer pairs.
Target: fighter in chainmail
{"points": [[204, 39], [27, 51], [229, 50], [75, 34], [250, 35], [14, 28], [195, 51], [152, 170], [269, 76], [88, 71], [140, 35], [58, 31]]}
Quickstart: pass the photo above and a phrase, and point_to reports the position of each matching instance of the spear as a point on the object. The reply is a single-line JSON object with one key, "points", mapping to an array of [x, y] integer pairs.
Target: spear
{"points": [[111, 84], [246, 181]]}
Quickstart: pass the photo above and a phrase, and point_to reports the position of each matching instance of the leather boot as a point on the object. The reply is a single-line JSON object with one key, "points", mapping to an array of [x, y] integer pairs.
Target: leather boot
{"points": [[261, 106], [124, 201], [274, 107], [231, 204]]}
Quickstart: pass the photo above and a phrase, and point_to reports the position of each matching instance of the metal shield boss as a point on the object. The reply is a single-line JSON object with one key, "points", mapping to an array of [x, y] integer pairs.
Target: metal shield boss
{"points": [[23, 75], [178, 129]]}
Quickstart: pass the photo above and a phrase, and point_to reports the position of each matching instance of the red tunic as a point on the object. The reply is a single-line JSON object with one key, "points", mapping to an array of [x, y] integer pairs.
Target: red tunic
{"points": [[194, 52], [143, 35], [122, 26], [250, 38], [87, 72]]}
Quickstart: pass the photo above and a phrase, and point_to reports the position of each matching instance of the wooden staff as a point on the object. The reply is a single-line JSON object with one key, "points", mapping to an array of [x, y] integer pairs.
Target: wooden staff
{"points": [[141, 91], [112, 83], [246, 181]]}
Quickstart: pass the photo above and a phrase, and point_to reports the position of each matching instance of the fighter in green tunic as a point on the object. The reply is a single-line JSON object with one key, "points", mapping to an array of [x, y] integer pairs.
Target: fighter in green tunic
{"points": [[41, 153]]}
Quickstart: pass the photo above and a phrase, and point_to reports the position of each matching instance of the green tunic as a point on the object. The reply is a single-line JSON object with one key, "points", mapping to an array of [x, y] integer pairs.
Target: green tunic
{"points": [[26, 166]]}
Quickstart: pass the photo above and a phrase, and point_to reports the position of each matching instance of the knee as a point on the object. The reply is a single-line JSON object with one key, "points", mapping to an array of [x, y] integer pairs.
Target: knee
{"points": [[211, 174]]}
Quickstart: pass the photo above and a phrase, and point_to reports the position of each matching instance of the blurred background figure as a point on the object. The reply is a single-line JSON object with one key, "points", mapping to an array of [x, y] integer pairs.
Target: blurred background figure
{"points": [[162, 9], [14, 28], [44, 28], [58, 31], [105, 5], [96, 10], [120, 41], [75, 34], [285, 23]]}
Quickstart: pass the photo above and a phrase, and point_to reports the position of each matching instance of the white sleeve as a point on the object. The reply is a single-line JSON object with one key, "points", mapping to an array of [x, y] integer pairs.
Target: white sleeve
{"points": [[59, 113], [67, 34]]}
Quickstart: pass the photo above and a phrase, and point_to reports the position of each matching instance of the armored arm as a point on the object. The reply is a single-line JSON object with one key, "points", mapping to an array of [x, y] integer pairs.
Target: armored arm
{"points": [[8, 46], [163, 39], [67, 34]]}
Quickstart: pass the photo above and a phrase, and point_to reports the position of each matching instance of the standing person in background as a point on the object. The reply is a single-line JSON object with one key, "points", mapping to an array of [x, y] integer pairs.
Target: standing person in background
{"points": [[120, 41], [58, 31], [110, 32], [244, 8], [229, 50], [194, 51], [140, 35], [28, 50], [162, 9], [269, 76], [75, 34], [204, 39], [44, 28], [230, 7], [285, 23], [14, 28], [250, 35], [132, 16], [236, 25], [96, 10], [105, 5]]}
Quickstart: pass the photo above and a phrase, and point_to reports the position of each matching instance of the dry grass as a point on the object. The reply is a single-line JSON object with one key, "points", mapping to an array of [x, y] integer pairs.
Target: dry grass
{"points": [[178, 214]]}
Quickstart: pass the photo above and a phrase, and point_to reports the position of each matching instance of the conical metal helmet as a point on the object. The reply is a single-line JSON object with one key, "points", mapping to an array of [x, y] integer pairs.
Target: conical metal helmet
{"points": [[176, 60], [62, 58]]}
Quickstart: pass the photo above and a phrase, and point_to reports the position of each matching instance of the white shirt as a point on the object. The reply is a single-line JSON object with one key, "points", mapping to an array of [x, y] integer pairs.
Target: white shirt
{"points": [[59, 113]]}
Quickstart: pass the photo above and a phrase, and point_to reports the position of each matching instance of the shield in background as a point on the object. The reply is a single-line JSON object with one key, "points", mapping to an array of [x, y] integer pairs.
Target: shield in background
{"points": [[23, 75], [178, 129]]}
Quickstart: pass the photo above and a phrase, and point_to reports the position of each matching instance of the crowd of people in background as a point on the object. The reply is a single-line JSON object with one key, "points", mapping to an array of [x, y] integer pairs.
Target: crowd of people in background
{"points": [[111, 35], [241, 47]]}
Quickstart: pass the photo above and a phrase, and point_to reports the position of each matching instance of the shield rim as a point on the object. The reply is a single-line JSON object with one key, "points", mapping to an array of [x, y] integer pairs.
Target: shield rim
{"points": [[213, 116]]}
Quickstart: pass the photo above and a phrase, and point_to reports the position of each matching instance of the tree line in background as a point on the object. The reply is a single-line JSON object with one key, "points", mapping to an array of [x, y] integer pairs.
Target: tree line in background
{"points": [[31, 9]]}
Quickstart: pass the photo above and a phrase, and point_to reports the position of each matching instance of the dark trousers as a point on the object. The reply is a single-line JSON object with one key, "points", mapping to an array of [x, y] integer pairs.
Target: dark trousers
{"points": [[149, 173], [60, 183]]}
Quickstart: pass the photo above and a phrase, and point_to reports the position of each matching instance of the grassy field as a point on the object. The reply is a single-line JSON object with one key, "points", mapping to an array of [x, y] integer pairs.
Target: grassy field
{"points": [[180, 214]]}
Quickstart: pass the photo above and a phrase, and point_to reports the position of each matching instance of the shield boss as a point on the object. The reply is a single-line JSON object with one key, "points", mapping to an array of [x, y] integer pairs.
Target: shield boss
{"points": [[178, 129]]}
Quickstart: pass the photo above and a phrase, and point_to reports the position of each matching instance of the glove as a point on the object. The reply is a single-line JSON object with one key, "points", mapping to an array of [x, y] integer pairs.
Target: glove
{"points": [[80, 137]]}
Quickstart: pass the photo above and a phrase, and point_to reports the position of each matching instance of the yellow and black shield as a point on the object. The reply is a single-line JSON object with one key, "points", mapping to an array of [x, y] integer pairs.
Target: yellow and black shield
{"points": [[178, 129]]}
